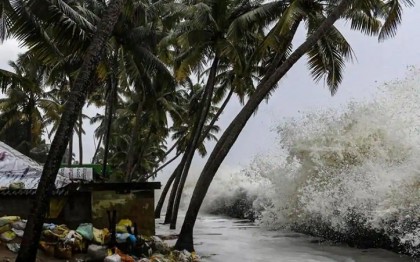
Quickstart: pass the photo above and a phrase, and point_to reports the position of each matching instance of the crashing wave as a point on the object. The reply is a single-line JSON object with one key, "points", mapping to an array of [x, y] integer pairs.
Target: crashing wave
{"points": [[351, 175]]}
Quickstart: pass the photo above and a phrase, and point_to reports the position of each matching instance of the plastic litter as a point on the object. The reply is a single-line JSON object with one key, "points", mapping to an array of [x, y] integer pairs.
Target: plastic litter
{"points": [[5, 228], [8, 220], [124, 257], [7, 236], [20, 225], [99, 235], [123, 224], [14, 247], [86, 230], [113, 258], [97, 252], [18, 232], [48, 226]]}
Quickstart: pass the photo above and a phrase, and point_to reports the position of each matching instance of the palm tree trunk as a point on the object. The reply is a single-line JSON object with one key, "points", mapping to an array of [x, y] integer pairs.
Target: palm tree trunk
{"points": [[216, 117], [185, 240], [172, 177], [97, 147], [80, 136], [134, 132], [70, 158], [197, 131], [171, 200], [112, 82], [73, 106], [29, 135], [165, 191]]}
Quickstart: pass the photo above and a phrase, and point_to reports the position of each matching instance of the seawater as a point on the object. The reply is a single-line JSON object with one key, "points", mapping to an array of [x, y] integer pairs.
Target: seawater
{"points": [[338, 170]]}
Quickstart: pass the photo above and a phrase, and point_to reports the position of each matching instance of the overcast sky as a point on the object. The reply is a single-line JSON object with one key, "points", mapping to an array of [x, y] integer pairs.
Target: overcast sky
{"points": [[376, 63]]}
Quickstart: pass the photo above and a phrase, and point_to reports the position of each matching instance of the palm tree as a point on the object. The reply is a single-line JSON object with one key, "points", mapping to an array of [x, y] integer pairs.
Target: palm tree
{"points": [[27, 100], [182, 133], [325, 60], [73, 106], [202, 38]]}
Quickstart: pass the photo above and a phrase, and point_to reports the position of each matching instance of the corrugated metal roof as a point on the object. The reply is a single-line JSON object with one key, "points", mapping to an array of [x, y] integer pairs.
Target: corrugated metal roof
{"points": [[18, 168]]}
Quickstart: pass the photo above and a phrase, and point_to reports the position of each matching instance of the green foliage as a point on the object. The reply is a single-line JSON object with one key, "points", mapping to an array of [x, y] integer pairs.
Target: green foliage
{"points": [[156, 49]]}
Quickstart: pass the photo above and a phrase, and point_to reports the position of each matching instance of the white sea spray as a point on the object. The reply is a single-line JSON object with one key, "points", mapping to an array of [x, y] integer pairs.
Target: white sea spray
{"points": [[350, 170]]}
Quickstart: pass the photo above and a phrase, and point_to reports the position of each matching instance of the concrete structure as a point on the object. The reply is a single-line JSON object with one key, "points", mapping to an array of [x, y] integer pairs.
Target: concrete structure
{"points": [[77, 198]]}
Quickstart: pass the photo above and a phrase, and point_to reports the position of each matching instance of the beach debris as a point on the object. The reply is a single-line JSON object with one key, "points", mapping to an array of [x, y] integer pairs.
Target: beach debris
{"points": [[86, 230], [94, 244], [14, 247], [97, 252], [113, 258]]}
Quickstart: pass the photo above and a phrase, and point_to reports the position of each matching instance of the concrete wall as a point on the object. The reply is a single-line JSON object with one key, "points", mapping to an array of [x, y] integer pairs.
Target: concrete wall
{"points": [[91, 207], [76, 209], [138, 206]]}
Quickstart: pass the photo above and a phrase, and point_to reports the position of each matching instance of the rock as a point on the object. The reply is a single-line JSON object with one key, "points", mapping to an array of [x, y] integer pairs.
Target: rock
{"points": [[97, 252]]}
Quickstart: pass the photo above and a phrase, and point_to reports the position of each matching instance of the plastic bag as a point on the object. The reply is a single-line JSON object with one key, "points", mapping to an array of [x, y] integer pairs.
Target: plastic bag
{"points": [[59, 232], [100, 235], [5, 228], [124, 257], [113, 258], [123, 224], [14, 247], [86, 230], [20, 225], [8, 220], [7, 236], [18, 232]]}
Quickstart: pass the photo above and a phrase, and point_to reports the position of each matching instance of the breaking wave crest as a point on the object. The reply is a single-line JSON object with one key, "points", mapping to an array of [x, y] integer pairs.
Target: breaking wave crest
{"points": [[351, 174]]}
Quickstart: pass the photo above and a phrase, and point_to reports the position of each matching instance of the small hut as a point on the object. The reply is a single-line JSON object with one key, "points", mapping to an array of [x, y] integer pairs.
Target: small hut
{"points": [[78, 197]]}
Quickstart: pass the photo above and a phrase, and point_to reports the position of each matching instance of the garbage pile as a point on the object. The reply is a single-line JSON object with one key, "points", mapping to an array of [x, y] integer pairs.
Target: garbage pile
{"points": [[120, 244]]}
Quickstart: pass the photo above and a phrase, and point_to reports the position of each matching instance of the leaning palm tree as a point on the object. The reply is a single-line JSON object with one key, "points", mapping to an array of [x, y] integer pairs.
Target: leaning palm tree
{"points": [[201, 39], [327, 51], [73, 106]]}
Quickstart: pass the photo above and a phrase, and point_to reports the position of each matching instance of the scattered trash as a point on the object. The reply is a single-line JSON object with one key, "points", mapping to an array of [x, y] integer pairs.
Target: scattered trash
{"points": [[113, 258], [18, 232], [19, 225], [97, 252], [14, 247], [8, 220], [7, 236], [86, 230], [60, 242]]}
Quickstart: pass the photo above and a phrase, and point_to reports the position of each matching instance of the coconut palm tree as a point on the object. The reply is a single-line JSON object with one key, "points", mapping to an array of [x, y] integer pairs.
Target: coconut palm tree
{"points": [[73, 107], [326, 60], [27, 100], [201, 39]]}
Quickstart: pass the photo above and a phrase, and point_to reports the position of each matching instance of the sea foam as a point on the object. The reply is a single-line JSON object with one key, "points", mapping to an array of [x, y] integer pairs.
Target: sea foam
{"points": [[351, 173]]}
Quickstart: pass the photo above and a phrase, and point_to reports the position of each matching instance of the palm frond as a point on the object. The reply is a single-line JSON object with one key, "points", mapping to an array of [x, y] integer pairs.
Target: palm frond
{"points": [[392, 12]]}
